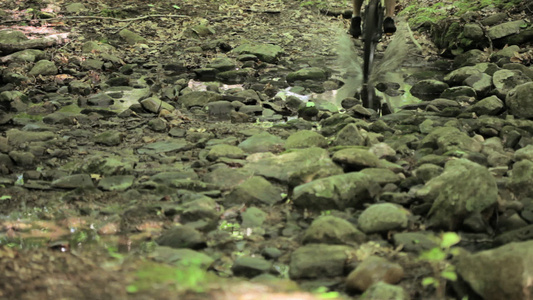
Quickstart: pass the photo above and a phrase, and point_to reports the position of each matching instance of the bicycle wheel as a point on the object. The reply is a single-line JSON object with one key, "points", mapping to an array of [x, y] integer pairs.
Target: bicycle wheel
{"points": [[371, 37]]}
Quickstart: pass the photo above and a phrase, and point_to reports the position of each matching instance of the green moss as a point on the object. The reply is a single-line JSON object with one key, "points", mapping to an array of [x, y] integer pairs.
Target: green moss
{"points": [[27, 116]]}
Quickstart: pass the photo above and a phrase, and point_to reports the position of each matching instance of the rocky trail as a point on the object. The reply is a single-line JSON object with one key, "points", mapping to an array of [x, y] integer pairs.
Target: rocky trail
{"points": [[219, 150]]}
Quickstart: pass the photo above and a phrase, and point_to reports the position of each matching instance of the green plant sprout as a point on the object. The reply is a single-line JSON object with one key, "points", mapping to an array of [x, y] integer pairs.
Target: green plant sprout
{"points": [[324, 293], [438, 259], [233, 228]]}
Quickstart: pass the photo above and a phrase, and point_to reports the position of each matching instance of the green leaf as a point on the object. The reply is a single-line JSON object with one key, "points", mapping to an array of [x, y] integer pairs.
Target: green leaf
{"points": [[450, 275], [435, 254], [175, 6], [5, 197], [430, 281], [132, 289], [449, 239], [310, 104]]}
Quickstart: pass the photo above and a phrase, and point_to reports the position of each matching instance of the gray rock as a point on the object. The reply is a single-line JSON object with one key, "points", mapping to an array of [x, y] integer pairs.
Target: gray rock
{"points": [[253, 217], [426, 172], [458, 76], [158, 124], [506, 52], [75, 7], [333, 230], [517, 235], [220, 110], [198, 98], [381, 176], [383, 217], [505, 29], [521, 181], [236, 76], [109, 138], [416, 242], [26, 56], [227, 178], [173, 145], [266, 52], [100, 99], [78, 87], [469, 58], [356, 159], [525, 153], [349, 135], [222, 64], [505, 80], [382, 291], [92, 64], [116, 183], [43, 67], [96, 47], [481, 83], [298, 166], [182, 237], [494, 19], [73, 182], [203, 211], [334, 192], [312, 73], [223, 150], [305, 139], [22, 158], [520, 102], [17, 137], [488, 106], [304, 262], [449, 139], [463, 189], [501, 273], [457, 92], [255, 190], [528, 71], [428, 89], [155, 105], [474, 32], [12, 36], [371, 271], [106, 165], [131, 37], [249, 267]]}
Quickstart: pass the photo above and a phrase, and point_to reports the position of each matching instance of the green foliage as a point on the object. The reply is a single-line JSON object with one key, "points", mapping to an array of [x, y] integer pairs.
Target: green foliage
{"points": [[420, 12], [438, 259], [186, 276]]}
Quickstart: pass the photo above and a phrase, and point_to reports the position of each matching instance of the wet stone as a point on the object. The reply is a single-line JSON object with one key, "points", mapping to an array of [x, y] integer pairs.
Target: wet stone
{"points": [[17, 137], [372, 270], [73, 182], [182, 237], [155, 105], [227, 178], [428, 89], [220, 110], [246, 266], [158, 124], [266, 52], [350, 135], [416, 242], [100, 99], [116, 183], [505, 80]]}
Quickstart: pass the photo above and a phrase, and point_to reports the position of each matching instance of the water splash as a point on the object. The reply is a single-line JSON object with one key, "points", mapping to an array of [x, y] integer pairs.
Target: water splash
{"points": [[350, 65]]}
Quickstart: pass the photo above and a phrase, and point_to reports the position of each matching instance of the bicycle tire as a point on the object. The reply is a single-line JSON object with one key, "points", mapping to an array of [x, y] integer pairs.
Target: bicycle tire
{"points": [[371, 36]]}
